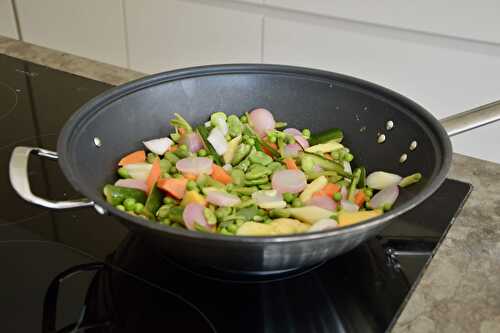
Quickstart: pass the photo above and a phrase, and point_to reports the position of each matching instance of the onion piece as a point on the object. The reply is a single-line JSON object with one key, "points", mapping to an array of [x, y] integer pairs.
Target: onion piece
{"points": [[387, 196], [132, 183], [261, 121], [195, 165], [218, 141], [292, 149], [138, 170], [379, 180], [193, 214], [344, 192], [323, 202], [228, 167], [269, 199], [293, 181], [222, 199], [192, 141], [348, 206], [347, 166], [297, 135], [323, 224], [158, 146]]}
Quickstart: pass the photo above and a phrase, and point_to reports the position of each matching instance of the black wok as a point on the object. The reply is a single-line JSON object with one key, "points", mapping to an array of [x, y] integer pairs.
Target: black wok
{"points": [[116, 122]]}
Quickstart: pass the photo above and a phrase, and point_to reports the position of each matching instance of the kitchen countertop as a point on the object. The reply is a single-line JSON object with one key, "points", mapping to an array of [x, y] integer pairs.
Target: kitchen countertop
{"points": [[460, 290]]}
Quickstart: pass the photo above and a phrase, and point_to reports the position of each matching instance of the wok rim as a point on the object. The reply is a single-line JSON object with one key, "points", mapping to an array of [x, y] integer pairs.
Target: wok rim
{"points": [[113, 94]]}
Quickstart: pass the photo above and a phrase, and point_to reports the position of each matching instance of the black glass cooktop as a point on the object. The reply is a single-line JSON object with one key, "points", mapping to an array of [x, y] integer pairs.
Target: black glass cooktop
{"points": [[78, 271]]}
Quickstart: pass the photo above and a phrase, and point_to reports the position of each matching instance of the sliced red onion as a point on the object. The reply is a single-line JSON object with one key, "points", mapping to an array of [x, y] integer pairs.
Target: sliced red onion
{"points": [[195, 165], [387, 196], [323, 202], [192, 141], [344, 192], [291, 149], [222, 199], [261, 121], [379, 180], [218, 141], [193, 214], [297, 136], [132, 183], [138, 170], [293, 181], [158, 146], [349, 206], [323, 224]]}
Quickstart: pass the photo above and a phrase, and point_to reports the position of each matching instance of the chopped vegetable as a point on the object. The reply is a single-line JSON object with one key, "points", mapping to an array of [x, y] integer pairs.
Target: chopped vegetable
{"points": [[176, 187], [249, 176], [135, 157]]}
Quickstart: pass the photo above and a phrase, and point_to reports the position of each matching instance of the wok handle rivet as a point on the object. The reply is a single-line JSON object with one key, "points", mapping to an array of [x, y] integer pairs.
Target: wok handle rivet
{"points": [[381, 138], [413, 145], [403, 158], [389, 125]]}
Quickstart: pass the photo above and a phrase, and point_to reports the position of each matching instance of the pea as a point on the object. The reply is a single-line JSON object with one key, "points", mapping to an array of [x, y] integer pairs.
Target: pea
{"points": [[163, 211], [387, 207], [120, 207], [151, 157], [138, 208], [288, 197], [244, 119], [165, 165], [297, 202], [173, 169], [210, 216], [306, 133], [202, 153], [272, 138], [171, 157], [122, 172], [169, 201], [232, 228], [191, 185], [129, 204], [368, 192], [165, 221], [279, 213], [337, 196]]}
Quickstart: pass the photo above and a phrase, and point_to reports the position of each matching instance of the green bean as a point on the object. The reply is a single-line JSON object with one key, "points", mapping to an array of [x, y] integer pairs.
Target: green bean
{"points": [[257, 171], [171, 157], [289, 197], [260, 158], [120, 207], [258, 181], [210, 216], [151, 158], [179, 122], [123, 172], [129, 204], [241, 152], [311, 175], [411, 179], [362, 178], [297, 202], [328, 135], [355, 179], [238, 176], [279, 213], [266, 186]]}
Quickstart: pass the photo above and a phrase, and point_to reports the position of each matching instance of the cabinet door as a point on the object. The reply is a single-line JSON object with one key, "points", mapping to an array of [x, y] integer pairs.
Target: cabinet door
{"points": [[171, 34], [7, 20], [90, 28]]}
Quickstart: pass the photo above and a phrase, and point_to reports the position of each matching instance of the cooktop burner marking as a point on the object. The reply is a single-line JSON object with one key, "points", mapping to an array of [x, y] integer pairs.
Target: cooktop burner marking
{"points": [[4, 112]]}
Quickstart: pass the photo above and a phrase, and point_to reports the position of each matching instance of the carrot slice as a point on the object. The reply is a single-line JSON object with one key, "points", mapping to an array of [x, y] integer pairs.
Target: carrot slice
{"points": [[154, 174], [359, 198], [290, 164], [190, 176], [172, 148], [176, 187], [135, 157], [330, 189], [220, 175]]}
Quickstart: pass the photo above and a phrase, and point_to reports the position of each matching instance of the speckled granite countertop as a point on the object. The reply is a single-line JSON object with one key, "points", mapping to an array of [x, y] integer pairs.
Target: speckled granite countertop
{"points": [[459, 292]]}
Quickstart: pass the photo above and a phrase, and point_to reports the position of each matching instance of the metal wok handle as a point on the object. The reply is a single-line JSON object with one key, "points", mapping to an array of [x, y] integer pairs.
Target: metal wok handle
{"points": [[18, 173], [468, 120]]}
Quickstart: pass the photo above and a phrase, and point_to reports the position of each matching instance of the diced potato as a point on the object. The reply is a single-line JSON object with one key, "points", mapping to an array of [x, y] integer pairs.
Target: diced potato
{"points": [[193, 196], [255, 229], [309, 214], [284, 226], [347, 218], [314, 186]]}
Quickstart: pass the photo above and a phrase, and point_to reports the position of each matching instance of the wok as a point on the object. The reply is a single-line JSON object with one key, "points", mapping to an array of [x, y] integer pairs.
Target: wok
{"points": [[117, 121]]}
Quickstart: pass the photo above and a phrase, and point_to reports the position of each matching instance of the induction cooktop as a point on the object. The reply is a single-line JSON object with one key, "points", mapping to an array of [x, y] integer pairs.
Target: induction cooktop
{"points": [[78, 271]]}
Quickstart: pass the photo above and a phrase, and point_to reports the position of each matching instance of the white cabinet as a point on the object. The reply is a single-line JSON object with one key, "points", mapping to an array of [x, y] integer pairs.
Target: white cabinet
{"points": [[168, 34], [7, 19], [445, 76], [90, 28]]}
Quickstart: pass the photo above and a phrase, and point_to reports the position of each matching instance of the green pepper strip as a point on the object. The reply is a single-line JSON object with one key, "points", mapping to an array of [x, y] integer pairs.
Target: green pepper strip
{"points": [[203, 132], [355, 179]]}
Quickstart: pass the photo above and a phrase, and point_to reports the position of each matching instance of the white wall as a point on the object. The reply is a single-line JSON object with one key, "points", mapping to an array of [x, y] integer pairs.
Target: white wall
{"points": [[444, 54], [7, 20]]}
